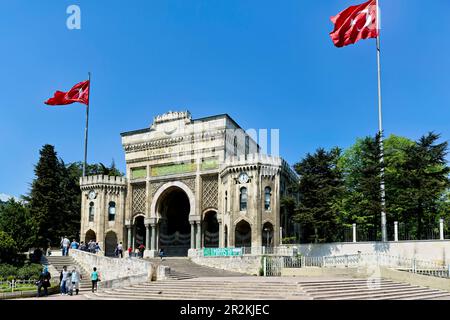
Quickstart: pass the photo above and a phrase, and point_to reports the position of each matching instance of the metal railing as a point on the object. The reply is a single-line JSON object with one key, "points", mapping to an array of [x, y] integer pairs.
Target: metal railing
{"points": [[13, 284], [274, 265], [276, 251]]}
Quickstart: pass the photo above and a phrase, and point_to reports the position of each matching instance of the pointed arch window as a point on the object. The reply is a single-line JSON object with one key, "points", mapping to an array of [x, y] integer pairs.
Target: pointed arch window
{"points": [[112, 211], [91, 211], [226, 201], [267, 198], [243, 199]]}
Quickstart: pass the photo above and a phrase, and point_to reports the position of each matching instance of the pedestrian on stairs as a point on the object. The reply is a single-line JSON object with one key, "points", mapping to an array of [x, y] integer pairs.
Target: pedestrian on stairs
{"points": [[75, 279], [97, 247], [94, 278], [74, 244], [65, 243], [63, 279], [161, 253], [120, 250], [141, 250], [91, 246], [130, 252]]}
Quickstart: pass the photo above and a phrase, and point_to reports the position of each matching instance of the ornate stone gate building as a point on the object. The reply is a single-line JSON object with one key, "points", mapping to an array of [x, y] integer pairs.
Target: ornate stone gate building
{"points": [[189, 184]]}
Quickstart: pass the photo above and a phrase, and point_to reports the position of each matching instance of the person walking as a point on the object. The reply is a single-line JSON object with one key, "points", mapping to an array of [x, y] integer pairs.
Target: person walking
{"points": [[94, 278], [82, 246], [161, 253], [91, 246], [65, 243], [69, 288], [75, 279], [44, 282], [63, 280], [74, 244], [141, 250], [130, 251], [120, 250], [97, 247]]}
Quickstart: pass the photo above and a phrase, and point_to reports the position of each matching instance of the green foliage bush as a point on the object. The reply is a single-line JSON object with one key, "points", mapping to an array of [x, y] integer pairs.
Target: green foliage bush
{"points": [[289, 240], [26, 272], [30, 271], [7, 270]]}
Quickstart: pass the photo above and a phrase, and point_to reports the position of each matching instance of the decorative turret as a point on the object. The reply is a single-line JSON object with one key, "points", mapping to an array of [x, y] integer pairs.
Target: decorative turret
{"points": [[111, 183]]}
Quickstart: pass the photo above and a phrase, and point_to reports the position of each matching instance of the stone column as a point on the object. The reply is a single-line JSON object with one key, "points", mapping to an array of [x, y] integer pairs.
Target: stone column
{"points": [[198, 235], [192, 235], [132, 237], [147, 236], [354, 232], [157, 236], [129, 243], [153, 240], [441, 229], [396, 231], [220, 233]]}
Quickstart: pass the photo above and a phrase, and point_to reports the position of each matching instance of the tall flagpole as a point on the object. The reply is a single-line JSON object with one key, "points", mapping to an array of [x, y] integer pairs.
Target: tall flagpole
{"points": [[380, 128], [87, 126]]}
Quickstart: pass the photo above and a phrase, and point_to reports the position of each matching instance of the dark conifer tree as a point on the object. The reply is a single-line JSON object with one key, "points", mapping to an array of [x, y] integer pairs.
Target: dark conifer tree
{"points": [[320, 188], [47, 198]]}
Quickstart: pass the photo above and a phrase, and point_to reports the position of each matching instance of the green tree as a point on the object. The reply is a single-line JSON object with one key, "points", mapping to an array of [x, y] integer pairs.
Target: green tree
{"points": [[361, 167], [424, 183], [320, 191], [8, 248], [16, 221], [70, 224], [47, 201]]}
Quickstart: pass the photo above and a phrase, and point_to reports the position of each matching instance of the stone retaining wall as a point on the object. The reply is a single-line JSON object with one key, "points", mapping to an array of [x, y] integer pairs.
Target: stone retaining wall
{"points": [[115, 268], [432, 250], [244, 264]]}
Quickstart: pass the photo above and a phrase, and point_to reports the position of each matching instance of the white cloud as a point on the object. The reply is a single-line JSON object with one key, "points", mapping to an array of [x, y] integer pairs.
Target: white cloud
{"points": [[5, 197]]}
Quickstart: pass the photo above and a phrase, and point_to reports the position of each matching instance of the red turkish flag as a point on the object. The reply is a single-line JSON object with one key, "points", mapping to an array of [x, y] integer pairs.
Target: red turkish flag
{"points": [[78, 93], [355, 23]]}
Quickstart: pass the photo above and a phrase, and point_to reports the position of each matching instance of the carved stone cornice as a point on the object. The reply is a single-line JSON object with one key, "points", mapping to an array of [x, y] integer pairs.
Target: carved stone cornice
{"points": [[171, 141], [197, 153]]}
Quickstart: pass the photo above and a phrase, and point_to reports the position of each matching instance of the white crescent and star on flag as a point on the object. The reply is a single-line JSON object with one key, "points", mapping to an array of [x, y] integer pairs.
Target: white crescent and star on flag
{"points": [[369, 19]]}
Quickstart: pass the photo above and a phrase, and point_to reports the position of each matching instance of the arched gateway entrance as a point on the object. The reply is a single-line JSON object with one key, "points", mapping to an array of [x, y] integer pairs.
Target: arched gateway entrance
{"points": [[174, 229]]}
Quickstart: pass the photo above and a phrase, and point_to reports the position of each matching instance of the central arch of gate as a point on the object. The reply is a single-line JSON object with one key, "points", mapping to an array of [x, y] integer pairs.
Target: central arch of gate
{"points": [[175, 227]]}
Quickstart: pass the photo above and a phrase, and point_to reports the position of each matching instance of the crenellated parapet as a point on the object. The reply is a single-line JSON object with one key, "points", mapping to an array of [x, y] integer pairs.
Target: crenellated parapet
{"points": [[268, 165], [110, 183], [172, 116]]}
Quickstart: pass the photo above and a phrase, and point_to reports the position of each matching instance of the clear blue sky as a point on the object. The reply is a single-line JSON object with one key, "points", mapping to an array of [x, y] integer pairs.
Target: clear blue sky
{"points": [[269, 64]]}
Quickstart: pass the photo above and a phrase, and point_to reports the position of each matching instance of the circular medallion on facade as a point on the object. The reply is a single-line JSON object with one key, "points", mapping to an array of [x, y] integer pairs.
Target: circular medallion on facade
{"points": [[243, 177], [92, 194]]}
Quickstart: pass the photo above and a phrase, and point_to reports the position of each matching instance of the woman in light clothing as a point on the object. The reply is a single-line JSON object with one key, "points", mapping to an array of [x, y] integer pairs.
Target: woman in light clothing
{"points": [[75, 278]]}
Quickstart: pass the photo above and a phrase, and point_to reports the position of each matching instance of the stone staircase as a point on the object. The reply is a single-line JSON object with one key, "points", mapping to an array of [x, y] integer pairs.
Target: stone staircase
{"points": [[58, 262], [183, 268], [375, 289], [200, 290], [260, 288]]}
